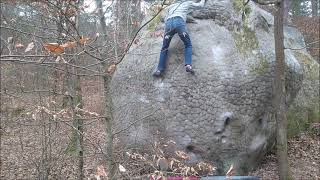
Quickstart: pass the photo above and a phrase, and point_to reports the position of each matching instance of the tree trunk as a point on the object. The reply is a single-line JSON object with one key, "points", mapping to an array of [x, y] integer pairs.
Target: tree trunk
{"points": [[279, 95], [314, 5], [79, 125], [109, 156], [102, 19], [75, 101], [109, 122]]}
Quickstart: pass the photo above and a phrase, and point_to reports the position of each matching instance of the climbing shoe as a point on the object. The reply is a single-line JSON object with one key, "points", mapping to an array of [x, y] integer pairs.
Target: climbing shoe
{"points": [[189, 69], [157, 73]]}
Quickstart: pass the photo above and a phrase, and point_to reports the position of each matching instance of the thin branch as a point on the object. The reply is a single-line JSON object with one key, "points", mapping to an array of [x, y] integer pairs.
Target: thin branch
{"points": [[29, 33], [266, 2], [53, 65], [304, 47], [133, 123], [133, 39]]}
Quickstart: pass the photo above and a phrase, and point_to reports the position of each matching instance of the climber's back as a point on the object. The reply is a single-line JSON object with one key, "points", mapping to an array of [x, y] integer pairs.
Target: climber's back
{"points": [[181, 8]]}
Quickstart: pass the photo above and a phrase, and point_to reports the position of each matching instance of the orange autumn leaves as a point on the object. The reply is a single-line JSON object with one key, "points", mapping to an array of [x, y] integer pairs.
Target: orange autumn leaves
{"points": [[57, 49], [54, 48]]}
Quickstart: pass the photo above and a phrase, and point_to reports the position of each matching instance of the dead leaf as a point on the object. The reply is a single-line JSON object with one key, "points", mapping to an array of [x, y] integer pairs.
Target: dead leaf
{"points": [[29, 47], [73, 19], [58, 59], [135, 24], [70, 44], [121, 168], [55, 48], [71, 11], [83, 40], [19, 45], [182, 155], [111, 69], [10, 39], [34, 117], [158, 7], [136, 41], [101, 172], [230, 172]]}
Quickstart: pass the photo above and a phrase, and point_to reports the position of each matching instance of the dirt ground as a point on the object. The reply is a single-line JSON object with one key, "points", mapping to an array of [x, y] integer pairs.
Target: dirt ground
{"points": [[304, 159]]}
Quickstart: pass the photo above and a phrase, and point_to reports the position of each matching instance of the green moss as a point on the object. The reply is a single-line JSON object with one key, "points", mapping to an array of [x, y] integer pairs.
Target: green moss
{"points": [[17, 111], [262, 67], [239, 7], [309, 65], [300, 118], [247, 10], [72, 148], [305, 111], [246, 40], [154, 23], [152, 26]]}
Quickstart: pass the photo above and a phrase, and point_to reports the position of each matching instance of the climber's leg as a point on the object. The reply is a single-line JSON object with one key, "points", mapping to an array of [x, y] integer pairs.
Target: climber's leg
{"points": [[184, 36], [169, 33]]}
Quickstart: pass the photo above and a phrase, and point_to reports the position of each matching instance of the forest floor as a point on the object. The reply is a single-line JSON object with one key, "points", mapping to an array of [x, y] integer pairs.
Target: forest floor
{"points": [[304, 159]]}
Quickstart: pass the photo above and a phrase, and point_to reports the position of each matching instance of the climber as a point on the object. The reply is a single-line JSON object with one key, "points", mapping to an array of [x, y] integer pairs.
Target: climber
{"points": [[175, 22]]}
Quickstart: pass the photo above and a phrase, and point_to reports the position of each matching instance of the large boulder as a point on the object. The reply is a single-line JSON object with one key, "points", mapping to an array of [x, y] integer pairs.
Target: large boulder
{"points": [[223, 113]]}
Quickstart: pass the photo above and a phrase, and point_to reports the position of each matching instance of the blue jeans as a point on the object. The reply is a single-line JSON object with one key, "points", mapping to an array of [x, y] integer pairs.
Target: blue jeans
{"points": [[175, 25]]}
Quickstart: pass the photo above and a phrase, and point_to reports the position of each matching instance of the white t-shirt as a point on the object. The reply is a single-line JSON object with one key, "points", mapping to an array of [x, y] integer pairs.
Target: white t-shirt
{"points": [[181, 9]]}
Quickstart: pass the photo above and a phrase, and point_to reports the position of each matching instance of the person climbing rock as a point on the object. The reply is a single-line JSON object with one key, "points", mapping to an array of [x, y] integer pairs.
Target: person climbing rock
{"points": [[175, 22]]}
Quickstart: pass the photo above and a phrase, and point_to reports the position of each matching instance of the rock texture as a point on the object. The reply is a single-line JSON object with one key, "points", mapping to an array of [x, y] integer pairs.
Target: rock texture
{"points": [[223, 113]]}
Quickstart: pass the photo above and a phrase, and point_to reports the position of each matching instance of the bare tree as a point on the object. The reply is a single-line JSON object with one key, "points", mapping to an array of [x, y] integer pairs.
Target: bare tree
{"points": [[279, 95], [279, 90]]}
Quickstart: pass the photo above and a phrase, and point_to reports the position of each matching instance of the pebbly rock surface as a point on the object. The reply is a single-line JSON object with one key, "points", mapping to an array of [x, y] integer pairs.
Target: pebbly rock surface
{"points": [[223, 113]]}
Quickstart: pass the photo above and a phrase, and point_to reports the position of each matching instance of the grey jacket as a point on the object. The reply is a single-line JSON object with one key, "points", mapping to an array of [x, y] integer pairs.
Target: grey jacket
{"points": [[181, 9]]}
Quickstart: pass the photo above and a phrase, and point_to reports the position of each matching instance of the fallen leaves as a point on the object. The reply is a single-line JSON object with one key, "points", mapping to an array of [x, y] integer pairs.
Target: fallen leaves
{"points": [[182, 155], [302, 167]]}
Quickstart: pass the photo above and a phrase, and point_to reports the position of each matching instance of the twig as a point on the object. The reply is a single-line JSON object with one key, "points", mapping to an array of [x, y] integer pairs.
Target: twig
{"points": [[133, 39], [131, 124], [306, 46]]}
